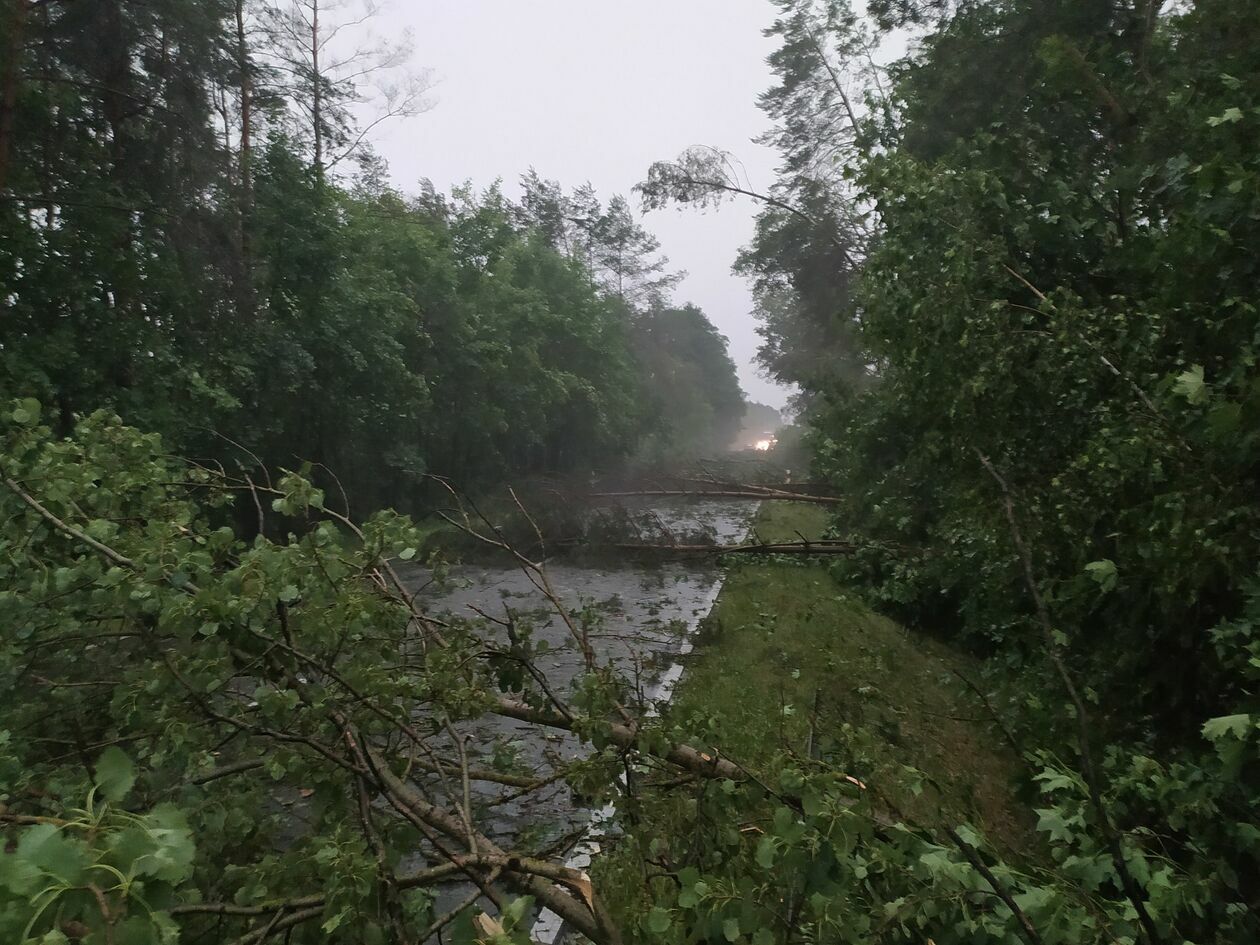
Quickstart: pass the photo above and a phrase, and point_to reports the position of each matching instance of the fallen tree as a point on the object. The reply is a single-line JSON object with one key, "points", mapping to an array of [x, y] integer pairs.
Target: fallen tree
{"points": [[802, 547], [169, 680], [723, 491]]}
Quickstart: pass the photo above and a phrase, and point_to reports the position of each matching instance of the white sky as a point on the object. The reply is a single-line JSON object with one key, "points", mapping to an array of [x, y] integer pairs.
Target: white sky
{"points": [[597, 90]]}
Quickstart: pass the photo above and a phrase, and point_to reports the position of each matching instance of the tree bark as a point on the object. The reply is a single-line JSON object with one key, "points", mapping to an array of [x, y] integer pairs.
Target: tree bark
{"points": [[751, 548], [521, 873], [316, 93], [247, 104], [751, 492], [9, 83], [246, 298]]}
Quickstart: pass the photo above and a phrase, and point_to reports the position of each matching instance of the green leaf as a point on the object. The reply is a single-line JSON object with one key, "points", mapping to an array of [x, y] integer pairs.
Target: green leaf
{"points": [[17, 874], [1190, 385], [115, 774], [332, 923], [969, 835], [407, 554], [765, 852], [730, 930], [51, 852], [1229, 116], [812, 803], [1104, 573], [174, 850], [167, 928], [1235, 726], [1051, 821], [517, 910], [1034, 899], [136, 930], [658, 920], [26, 412]]}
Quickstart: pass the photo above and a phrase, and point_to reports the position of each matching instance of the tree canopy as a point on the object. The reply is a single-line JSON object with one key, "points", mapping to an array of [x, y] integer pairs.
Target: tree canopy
{"points": [[1047, 442], [185, 243]]}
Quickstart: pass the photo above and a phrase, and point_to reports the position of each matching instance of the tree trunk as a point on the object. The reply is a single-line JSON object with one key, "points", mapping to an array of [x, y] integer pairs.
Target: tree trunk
{"points": [[244, 160], [116, 105], [826, 547], [247, 303], [749, 492], [9, 83], [316, 93]]}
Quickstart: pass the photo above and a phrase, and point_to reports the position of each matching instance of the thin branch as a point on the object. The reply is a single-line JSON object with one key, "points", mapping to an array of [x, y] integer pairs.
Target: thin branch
{"points": [[1028, 931], [66, 529], [1083, 724]]}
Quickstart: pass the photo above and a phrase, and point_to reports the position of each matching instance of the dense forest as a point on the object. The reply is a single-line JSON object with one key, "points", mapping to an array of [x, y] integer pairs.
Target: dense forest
{"points": [[1012, 273], [198, 237]]}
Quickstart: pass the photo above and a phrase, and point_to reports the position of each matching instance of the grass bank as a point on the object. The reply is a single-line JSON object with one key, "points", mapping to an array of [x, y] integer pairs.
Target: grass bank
{"points": [[790, 664]]}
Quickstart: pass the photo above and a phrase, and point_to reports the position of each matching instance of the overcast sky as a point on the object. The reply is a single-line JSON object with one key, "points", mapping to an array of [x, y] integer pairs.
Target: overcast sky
{"points": [[597, 90]]}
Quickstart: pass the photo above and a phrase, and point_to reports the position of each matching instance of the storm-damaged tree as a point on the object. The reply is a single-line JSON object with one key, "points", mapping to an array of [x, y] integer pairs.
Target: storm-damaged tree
{"points": [[628, 258], [812, 230], [623, 257], [205, 736], [341, 79]]}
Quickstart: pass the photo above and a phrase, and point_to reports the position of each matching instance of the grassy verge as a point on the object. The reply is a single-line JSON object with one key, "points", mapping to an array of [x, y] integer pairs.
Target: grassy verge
{"points": [[791, 664], [787, 651], [785, 521]]}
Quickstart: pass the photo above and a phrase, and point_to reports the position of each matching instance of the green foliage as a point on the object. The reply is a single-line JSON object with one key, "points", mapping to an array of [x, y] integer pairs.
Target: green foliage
{"points": [[138, 651], [223, 288], [829, 863], [1053, 457], [1082, 324], [1018, 282], [237, 712], [99, 873], [1059, 284], [853, 840], [694, 392]]}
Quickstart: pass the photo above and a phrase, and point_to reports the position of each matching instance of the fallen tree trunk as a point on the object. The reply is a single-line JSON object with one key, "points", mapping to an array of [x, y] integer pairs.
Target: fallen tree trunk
{"points": [[527, 875], [746, 492], [756, 548]]}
